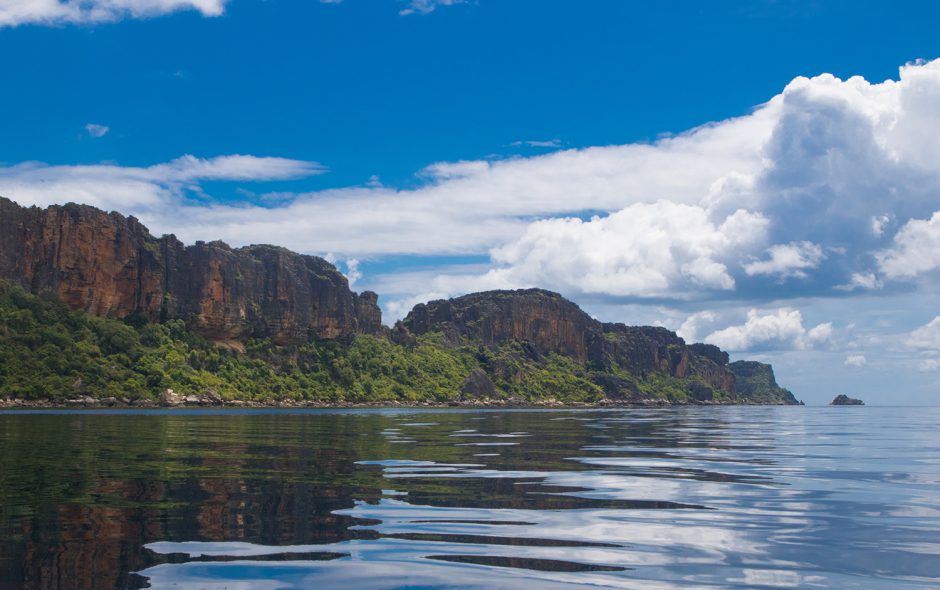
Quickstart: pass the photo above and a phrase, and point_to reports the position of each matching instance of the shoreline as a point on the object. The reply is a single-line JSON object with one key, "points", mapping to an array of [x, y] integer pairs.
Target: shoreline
{"points": [[91, 404]]}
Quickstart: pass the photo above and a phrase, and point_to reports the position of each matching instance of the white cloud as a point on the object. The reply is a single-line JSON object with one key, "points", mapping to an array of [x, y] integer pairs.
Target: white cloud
{"points": [[64, 12], [879, 223], [929, 365], [353, 274], [426, 6], [812, 184], [856, 360], [695, 325], [781, 329], [915, 250], [96, 130], [644, 250], [788, 260], [861, 280], [465, 207], [926, 337], [155, 189]]}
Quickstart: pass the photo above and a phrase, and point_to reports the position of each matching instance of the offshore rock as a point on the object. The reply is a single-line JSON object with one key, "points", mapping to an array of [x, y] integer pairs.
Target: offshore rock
{"points": [[844, 400], [109, 265]]}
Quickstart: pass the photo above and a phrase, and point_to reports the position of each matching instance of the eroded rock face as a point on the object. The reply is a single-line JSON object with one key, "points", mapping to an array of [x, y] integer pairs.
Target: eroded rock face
{"points": [[110, 265], [544, 319], [548, 323], [757, 383], [103, 263]]}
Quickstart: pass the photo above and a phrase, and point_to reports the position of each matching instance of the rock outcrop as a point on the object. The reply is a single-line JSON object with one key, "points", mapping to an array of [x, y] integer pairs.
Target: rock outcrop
{"points": [[544, 319], [549, 323], [757, 384], [110, 265], [844, 400]]}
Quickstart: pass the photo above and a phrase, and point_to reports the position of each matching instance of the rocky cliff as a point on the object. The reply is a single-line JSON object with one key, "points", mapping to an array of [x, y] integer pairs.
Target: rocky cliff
{"points": [[757, 384], [525, 343], [549, 323], [109, 265]]}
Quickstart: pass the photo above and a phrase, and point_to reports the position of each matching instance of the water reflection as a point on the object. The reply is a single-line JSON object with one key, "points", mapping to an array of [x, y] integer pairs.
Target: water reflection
{"points": [[664, 498]]}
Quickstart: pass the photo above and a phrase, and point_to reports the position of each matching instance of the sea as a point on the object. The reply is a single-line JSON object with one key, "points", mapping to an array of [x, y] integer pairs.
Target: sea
{"points": [[646, 498]]}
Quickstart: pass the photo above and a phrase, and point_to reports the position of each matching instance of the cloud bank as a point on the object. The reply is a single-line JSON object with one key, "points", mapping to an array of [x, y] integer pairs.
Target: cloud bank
{"points": [[66, 12], [829, 189]]}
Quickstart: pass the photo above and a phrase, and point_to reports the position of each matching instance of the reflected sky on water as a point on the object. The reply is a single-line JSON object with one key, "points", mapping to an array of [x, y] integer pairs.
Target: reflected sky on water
{"points": [[735, 497]]}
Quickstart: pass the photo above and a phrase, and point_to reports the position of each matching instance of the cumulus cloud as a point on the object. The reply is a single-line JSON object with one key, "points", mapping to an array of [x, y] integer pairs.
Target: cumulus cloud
{"points": [[64, 12], [856, 360], [95, 130], [915, 249], [927, 337], [781, 329], [829, 188], [644, 250], [787, 260], [353, 274], [861, 280], [696, 325]]}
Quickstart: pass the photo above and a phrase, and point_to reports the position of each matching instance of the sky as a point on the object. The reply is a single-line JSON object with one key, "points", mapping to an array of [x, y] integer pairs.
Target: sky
{"points": [[764, 176]]}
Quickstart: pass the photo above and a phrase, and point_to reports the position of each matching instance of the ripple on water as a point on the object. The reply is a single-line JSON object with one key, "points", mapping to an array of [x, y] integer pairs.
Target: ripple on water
{"points": [[671, 498]]}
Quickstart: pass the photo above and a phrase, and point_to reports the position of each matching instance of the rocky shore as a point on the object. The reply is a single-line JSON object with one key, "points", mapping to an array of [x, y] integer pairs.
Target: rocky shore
{"points": [[169, 400]]}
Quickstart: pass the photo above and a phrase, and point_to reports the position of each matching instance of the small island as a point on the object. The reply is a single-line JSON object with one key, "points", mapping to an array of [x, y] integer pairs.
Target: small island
{"points": [[844, 400]]}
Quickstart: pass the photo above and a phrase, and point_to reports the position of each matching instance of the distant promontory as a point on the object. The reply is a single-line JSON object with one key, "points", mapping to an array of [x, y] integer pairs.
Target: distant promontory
{"points": [[94, 309]]}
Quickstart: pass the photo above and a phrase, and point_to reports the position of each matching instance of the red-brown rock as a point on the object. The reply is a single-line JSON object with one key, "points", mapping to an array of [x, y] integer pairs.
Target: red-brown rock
{"points": [[548, 323], [109, 265]]}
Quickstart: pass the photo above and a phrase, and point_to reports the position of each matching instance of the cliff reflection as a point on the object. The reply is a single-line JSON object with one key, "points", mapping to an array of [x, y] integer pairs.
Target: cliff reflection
{"points": [[78, 513]]}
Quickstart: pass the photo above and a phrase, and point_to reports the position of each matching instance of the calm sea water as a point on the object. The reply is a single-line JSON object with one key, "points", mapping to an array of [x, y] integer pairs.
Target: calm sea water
{"points": [[647, 498]]}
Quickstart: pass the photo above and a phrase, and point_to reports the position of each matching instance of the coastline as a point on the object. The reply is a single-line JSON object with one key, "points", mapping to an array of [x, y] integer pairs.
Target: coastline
{"points": [[486, 403]]}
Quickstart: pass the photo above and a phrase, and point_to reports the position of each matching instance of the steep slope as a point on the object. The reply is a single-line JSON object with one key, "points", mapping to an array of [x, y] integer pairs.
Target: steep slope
{"points": [[757, 384], [110, 266], [621, 357]]}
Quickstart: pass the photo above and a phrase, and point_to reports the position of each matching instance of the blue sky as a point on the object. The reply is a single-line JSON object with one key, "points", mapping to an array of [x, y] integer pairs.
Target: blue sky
{"points": [[679, 163]]}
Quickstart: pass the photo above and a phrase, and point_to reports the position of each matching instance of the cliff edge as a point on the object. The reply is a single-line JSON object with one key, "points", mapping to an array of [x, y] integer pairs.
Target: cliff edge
{"points": [[110, 266]]}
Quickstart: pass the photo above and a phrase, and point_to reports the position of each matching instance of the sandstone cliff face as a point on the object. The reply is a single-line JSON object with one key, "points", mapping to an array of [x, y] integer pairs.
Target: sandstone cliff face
{"points": [[544, 319], [550, 323], [110, 265]]}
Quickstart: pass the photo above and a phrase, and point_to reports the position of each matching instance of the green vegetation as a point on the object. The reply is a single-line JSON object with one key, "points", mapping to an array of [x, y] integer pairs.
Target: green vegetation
{"points": [[756, 384], [48, 352]]}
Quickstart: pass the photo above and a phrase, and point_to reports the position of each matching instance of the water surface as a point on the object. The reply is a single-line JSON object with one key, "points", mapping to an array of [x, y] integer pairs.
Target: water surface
{"points": [[734, 497]]}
